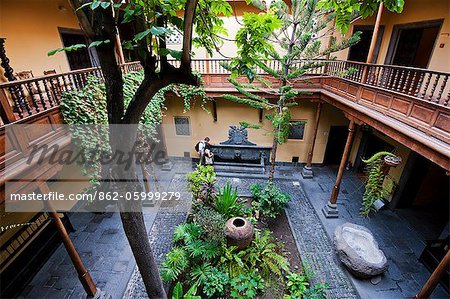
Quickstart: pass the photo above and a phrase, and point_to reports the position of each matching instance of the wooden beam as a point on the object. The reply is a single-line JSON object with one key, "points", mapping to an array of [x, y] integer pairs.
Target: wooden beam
{"points": [[83, 274], [307, 169], [373, 42], [435, 277], [330, 210]]}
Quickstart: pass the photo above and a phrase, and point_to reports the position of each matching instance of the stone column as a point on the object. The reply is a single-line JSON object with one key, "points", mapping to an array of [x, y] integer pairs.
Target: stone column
{"points": [[330, 210], [307, 172]]}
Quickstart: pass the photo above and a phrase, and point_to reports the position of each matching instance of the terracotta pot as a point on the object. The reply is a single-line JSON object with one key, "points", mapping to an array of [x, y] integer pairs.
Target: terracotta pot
{"points": [[392, 161], [239, 232]]}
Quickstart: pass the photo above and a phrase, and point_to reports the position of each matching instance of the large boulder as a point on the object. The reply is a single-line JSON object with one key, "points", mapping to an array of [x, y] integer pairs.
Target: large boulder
{"points": [[358, 250]]}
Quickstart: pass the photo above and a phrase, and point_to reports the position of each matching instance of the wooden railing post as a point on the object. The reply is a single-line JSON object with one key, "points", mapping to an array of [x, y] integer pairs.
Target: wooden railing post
{"points": [[6, 111]]}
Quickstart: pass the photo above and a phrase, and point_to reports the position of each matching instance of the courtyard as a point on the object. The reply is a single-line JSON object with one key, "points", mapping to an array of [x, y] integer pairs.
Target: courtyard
{"points": [[103, 247]]}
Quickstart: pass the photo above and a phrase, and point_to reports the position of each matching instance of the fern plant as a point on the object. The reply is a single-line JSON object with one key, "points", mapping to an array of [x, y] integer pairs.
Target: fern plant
{"points": [[374, 185], [264, 255]]}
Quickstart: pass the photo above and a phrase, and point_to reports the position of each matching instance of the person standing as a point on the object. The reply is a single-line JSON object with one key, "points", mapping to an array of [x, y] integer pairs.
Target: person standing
{"points": [[203, 149]]}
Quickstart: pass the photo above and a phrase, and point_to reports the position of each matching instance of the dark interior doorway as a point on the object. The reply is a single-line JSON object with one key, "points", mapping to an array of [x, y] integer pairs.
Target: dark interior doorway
{"points": [[413, 44], [335, 145], [423, 196], [370, 144], [360, 51], [79, 59]]}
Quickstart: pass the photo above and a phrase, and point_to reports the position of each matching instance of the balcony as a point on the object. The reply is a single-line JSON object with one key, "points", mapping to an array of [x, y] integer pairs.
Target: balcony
{"points": [[409, 105]]}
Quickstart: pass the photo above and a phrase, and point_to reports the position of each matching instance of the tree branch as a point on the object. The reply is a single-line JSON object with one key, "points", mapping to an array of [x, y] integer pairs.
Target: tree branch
{"points": [[189, 14]]}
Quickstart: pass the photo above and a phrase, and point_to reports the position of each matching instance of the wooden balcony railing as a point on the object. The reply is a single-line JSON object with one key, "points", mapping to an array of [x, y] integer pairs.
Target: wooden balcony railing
{"points": [[23, 98], [419, 83]]}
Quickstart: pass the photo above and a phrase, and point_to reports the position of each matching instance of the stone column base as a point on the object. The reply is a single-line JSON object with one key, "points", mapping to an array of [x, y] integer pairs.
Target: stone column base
{"points": [[330, 210], [100, 295], [307, 172]]}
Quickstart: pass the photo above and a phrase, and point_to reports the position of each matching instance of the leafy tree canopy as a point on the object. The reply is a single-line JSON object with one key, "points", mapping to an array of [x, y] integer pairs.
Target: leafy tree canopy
{"points": [[347, 9]]}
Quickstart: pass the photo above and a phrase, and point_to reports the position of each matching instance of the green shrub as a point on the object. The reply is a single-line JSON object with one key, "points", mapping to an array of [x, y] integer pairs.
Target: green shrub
{"points": [[298, 287], [227, 202], [264, 254], [212, 223], [270, 200], [190, 294], [215, 283], [247, 286], [174, 264], [201, 176]]}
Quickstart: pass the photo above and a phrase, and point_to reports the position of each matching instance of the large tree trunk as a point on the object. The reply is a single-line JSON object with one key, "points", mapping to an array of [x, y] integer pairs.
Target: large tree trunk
{"points": [[273, 156], [100, 25]]}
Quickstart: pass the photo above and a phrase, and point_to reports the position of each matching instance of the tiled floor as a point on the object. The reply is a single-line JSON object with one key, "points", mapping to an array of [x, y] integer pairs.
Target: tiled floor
{"points": [[401, 243]]}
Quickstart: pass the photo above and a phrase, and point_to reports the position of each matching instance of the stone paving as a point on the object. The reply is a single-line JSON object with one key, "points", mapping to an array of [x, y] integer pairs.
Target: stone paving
{"points": [[104, 248], [399, 241], [105, 251], [315, 248]]}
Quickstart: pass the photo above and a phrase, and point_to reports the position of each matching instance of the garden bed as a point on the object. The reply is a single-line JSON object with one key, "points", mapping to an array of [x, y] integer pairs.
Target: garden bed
{"points": [[232, 247]]}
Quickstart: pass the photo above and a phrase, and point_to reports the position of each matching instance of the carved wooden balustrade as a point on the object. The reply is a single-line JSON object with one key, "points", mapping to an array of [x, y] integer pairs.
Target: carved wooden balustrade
{"points": [[418, 98]]}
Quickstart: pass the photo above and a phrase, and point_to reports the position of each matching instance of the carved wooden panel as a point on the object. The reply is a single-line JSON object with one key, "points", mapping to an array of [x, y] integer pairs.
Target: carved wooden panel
{"points": [[443, 122], [382, 100], [422, 113], [400, 105]]}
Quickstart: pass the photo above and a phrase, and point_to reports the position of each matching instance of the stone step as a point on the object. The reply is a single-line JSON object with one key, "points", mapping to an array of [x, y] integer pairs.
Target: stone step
{"points": [[250, 165], [242, 175], [238, 169]]}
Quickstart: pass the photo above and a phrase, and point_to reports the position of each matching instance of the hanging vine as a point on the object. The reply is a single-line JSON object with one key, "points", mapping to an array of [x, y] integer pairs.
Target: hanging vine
{"points": [[374, 186], [81, 108]]}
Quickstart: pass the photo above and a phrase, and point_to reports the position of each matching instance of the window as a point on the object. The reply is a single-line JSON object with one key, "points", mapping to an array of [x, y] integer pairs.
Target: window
{"points": [[182, 127], [296, 130]]}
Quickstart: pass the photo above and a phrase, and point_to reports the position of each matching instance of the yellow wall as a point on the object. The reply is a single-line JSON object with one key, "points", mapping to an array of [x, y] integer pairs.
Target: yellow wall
{"points": [[415, 11], [230, 113], [31, 30]]}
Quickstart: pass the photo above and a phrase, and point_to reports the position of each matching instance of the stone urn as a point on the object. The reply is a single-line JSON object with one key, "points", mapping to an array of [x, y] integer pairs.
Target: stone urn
{"points": [[239, 232], [358, 250]]}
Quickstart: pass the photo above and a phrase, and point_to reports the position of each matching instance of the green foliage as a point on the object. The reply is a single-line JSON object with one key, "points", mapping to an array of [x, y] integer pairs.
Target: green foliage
{"points": [[228, 203], [88, 107], [252, 41], [190, 294], [176, 261], [346, 10], [212, 223], [200, 176], [374, 186], [264, 255], [215, 283], [298, 287], [298, 30], [66, 49], [246, 286], [270, 200]]}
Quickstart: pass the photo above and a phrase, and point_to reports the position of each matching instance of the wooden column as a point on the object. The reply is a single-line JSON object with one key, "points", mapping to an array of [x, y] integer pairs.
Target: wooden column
{"points": [[373, 42], [83, 274], [330, 210], [307, 172], [435, 277]]}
